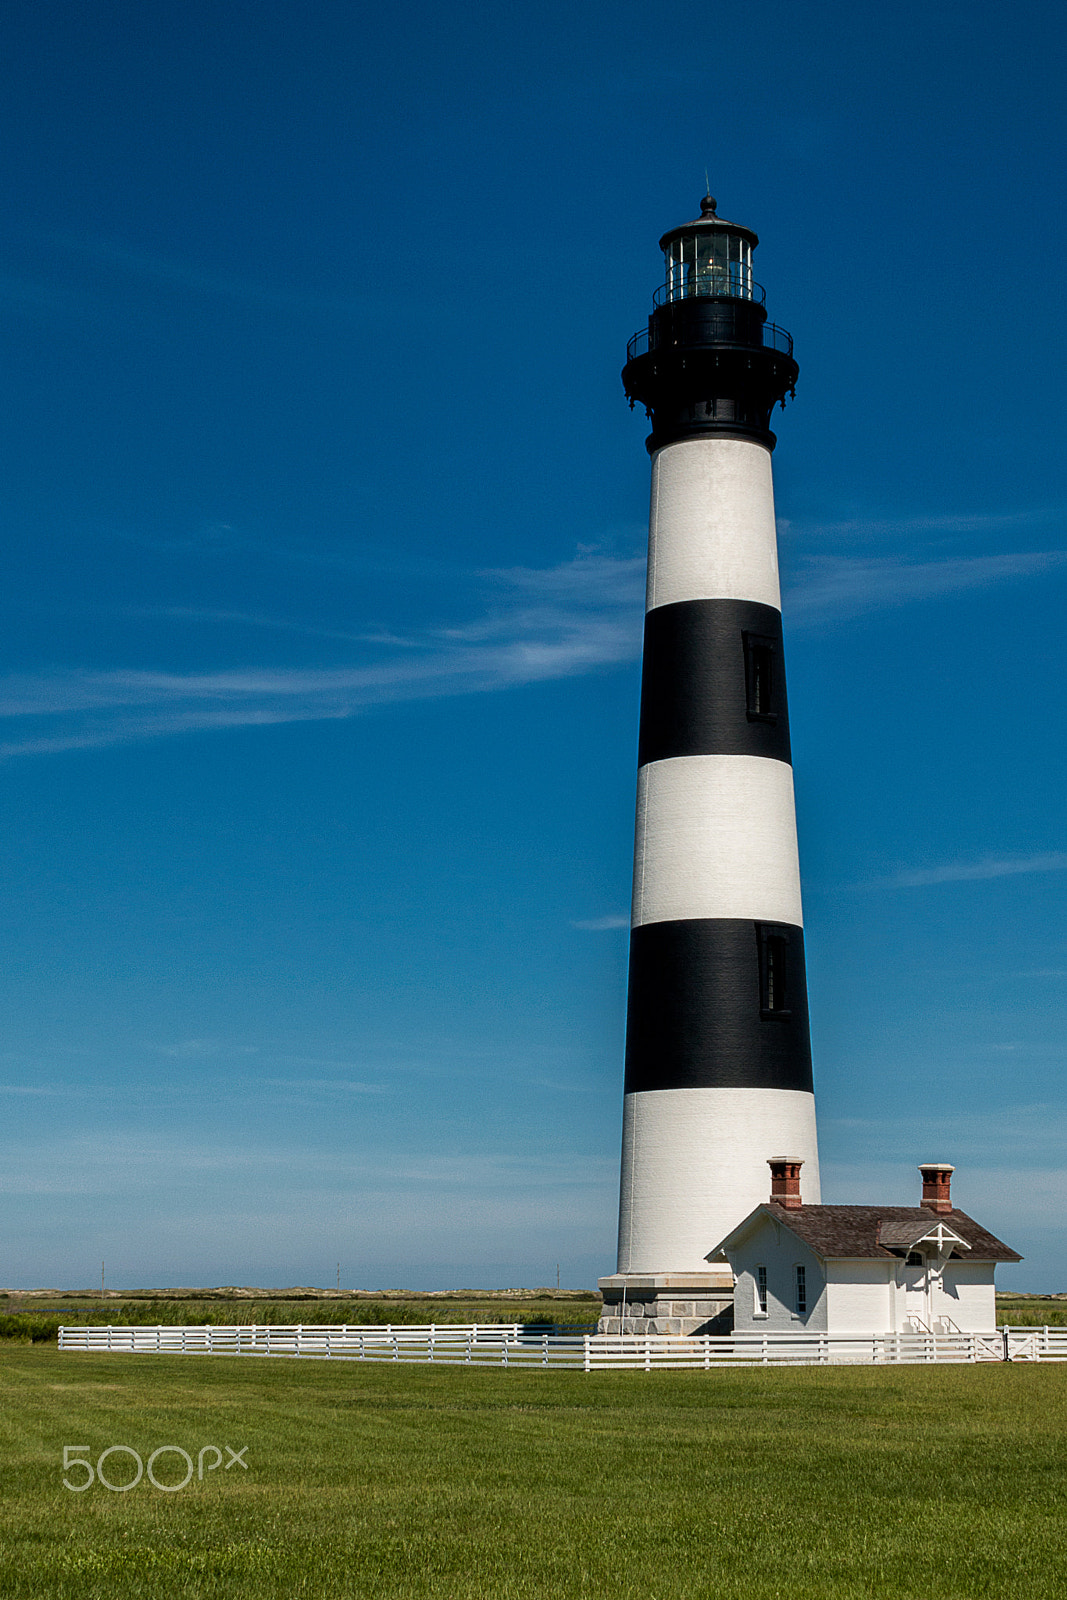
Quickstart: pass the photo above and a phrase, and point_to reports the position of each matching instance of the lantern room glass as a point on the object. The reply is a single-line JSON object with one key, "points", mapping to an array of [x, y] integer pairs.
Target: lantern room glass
{"points": [[709, 263]]}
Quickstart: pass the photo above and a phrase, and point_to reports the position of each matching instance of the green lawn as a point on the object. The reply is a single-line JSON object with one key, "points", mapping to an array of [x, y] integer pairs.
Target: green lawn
{"points": [[409, 1481]]}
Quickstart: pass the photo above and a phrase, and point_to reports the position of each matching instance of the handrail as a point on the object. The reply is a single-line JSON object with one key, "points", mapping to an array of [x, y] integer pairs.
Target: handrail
{"points": [[774, 338], [703, 286]]}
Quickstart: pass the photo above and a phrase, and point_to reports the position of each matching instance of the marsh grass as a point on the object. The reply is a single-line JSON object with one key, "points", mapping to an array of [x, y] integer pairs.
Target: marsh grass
{"points": [[22, 1322], [1030, 1311], [379, 1481]]}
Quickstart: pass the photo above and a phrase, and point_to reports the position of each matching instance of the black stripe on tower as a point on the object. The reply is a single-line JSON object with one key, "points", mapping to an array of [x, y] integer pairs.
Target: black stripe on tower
{"points": [[717, 1003], [713, 681]]}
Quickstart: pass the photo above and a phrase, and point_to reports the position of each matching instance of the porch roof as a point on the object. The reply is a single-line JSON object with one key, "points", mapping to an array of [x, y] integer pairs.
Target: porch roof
{"points": [[872, 1232]]}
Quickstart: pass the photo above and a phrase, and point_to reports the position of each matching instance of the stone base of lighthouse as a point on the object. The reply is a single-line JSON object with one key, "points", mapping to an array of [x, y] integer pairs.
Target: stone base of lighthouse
{"points": [[679, 1303]]}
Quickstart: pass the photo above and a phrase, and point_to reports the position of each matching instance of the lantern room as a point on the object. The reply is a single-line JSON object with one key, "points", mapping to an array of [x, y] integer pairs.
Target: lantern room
{"points": [[709, 259], [708, 360]]}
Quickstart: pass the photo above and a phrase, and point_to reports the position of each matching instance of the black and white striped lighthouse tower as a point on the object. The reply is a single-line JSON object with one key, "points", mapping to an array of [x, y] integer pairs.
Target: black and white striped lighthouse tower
{"points": [[718, 1057]]}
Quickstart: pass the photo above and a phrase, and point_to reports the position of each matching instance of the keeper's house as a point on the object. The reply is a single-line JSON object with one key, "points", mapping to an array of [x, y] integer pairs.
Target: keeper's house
{"points": [[862, 1269]]}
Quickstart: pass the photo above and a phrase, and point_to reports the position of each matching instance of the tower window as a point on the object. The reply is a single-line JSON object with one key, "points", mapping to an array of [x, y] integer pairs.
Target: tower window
{"points": [[761, 1291], [773, 972], [761, 673], [801, 1290]]}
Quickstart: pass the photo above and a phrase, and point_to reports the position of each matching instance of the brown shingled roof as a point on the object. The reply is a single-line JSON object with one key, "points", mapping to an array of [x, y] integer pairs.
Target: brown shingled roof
{"points": [[853, 1231]]}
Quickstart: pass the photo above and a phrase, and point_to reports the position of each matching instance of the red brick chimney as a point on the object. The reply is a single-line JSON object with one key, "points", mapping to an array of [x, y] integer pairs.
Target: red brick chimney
{"points": [[785, 1182], [937, 1176]]}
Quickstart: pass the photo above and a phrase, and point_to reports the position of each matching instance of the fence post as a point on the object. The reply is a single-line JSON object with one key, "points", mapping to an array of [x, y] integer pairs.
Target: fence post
{"points": [[1007, 1347], [585, 1342]]}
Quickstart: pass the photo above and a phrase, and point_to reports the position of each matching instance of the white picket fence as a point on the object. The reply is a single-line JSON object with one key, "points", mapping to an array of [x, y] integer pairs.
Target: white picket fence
{"points": [[512, 1345]]}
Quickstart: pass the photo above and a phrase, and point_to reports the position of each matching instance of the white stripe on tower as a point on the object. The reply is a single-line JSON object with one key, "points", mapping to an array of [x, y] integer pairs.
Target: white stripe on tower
{"points": [[716, 837], [711, 529]]}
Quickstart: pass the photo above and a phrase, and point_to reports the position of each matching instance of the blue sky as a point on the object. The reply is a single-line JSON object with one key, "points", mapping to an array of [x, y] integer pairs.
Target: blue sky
{"points": [[321, 606]]}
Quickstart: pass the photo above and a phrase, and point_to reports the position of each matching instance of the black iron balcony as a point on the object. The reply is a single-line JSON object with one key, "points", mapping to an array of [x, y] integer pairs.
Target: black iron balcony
{"points": [[646, 339]]}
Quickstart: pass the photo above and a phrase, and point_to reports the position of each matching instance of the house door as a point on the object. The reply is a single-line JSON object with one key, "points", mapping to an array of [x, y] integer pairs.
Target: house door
{"points": [[917, 1295]]}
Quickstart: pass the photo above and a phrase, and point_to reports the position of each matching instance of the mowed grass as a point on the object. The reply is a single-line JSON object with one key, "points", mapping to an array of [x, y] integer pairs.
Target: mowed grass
{"points": [[396, 1480]]}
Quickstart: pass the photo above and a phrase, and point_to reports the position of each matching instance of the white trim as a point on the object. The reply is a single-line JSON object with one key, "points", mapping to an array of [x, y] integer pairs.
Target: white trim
{"points": [[940, 1236]]}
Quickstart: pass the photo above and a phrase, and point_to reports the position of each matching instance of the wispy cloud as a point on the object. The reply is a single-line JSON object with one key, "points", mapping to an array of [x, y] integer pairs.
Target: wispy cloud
{"points": [[900, 530], [193, 278], [118, 1161], [838, 586], [25, 294], [202, 1049], [257, 620], [1008, 1133], [540, 626], [320, 1086], [602, 924], [975, 871]]}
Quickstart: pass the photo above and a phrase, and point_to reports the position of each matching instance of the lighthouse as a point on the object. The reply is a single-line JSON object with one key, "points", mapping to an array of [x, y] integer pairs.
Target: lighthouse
{"points": [[718, 1055]]}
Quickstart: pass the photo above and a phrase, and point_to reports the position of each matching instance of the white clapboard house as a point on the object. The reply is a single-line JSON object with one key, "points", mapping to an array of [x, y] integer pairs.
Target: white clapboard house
{"points": [[862, 1269]]}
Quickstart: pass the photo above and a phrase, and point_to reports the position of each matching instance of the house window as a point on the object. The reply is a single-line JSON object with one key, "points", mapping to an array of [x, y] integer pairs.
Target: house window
{"points": [[761, 1291], [915, 1259], [760, 677], [773, 971], [801, 1290]]}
